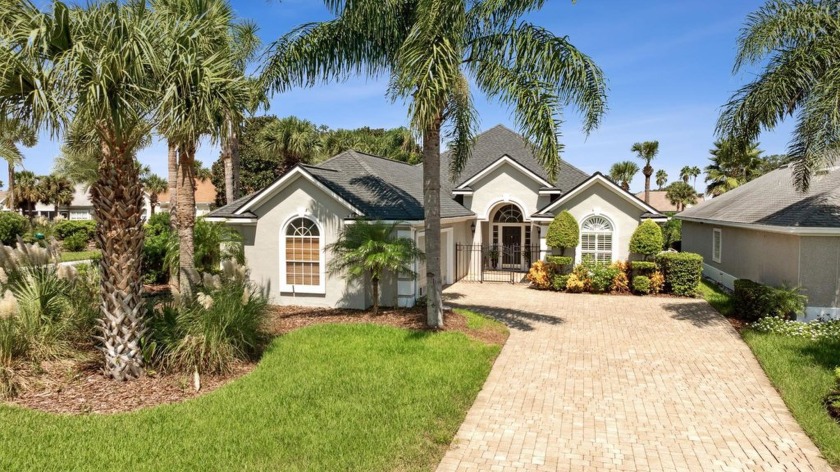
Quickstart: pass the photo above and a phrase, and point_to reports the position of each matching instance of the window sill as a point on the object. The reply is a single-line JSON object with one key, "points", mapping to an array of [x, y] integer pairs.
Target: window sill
{"points": [[306, 289]]}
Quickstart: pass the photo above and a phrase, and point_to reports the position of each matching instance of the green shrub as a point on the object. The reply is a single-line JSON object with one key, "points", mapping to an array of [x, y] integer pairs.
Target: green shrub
{"points": [[560, 261], [643, 267], [647, 239], [213, 243], [563, 232], [155, 246], [682, 271], [65, 229], [753, 301], [641, 284], [559, 282], [75, 242], [12, 225], [597, 277], [219, 327], [671, 234]]}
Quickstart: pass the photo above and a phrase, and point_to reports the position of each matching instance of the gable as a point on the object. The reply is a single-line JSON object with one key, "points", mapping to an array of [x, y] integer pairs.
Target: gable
{"points": [[503, 165], [260, 198], [609, 187]]}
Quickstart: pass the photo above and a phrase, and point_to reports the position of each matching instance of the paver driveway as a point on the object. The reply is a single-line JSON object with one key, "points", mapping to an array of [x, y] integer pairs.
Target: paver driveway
{"points": [[589, 382]]}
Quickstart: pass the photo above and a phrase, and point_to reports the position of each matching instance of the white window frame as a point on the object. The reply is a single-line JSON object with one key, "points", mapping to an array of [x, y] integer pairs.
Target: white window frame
{"points": [[79, 215], [717, 235], [285, 287], [614, 236]]}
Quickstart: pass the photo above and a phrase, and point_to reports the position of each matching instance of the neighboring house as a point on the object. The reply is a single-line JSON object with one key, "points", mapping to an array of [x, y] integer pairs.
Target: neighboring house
{"points": [[659, 201], [768, 232], [494, 218], [205, 198]]}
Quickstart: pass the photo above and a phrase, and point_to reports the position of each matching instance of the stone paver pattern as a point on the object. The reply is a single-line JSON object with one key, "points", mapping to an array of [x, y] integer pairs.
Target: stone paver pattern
{"points": [[589, 382]]}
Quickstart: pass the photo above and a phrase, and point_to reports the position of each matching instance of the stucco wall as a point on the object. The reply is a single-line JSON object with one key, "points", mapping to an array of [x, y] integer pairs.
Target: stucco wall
{"points": [[599, 199], [508, 181], [820, 270], [262, 245]]}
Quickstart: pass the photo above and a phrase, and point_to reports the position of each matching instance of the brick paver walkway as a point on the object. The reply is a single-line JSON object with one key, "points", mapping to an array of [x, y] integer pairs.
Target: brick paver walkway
{"points": [[621, 383]]}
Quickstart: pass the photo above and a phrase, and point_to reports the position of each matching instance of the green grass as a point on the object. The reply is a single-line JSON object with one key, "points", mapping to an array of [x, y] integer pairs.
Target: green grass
{"points": [[327, 397], [79, 256], [719, 299], [801, 369], [480, 322]]}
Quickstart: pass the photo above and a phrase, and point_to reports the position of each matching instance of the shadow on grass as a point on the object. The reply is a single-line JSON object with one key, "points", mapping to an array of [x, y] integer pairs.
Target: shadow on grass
{"points": [[699, 313], [519, 320], [823, 352]]}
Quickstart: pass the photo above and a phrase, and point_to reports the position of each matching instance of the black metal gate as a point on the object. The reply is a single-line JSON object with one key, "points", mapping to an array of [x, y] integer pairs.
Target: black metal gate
{"points": [[494, 263]]}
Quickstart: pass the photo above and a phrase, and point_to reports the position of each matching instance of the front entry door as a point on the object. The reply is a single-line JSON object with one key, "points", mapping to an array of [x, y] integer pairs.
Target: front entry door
{"points": [[511, 245]]}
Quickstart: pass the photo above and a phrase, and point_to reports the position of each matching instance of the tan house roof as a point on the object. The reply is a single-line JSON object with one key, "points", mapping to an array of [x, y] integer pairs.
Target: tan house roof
{"points": [[658, 200], [205, 192]]}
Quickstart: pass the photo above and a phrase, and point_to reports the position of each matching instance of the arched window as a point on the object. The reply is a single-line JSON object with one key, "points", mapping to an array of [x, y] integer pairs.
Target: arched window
{"points": [[303, 253], [596, 238], [508, 214]]}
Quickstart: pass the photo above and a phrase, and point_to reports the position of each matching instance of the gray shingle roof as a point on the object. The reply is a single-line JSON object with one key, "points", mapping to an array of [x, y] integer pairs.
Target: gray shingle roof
{"points": [[229, 211], [772, 200], [499, 141]]}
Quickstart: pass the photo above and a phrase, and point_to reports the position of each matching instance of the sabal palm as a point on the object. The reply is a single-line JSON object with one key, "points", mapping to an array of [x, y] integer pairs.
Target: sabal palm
{"points": [[623, 173], [694, 172], [154, 185], [732, 165], [681, 194], [685, 173], [646, 151], [798, 43], [13, 133], [94, 62], [431, 52], [56, 190], [661, 178], [296, 140], [371, 250], [27, 192]]}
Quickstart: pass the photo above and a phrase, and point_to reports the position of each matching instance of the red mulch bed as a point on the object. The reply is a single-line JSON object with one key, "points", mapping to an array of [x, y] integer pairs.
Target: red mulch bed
{"points": [[78, 386]]}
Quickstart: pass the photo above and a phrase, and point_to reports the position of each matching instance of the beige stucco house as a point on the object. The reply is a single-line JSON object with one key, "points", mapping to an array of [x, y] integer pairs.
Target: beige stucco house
{"points": [[768, 232], [495, 217]]}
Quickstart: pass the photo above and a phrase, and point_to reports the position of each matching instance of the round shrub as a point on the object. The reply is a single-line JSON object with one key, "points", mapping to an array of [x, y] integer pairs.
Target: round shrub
{"points": [[641, 284], [12, 225], [647, 239], [155, 246], [563, 232], [75, 242], [682, 271], [67, 228], [562, 264]]}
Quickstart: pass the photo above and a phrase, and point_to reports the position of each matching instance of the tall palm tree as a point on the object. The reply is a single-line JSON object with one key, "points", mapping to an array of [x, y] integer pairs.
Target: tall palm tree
{"points": [[646, 151], [798, 44], [55, 189], [694, 172], [95, 62], [623, 173], [733, 164], [371, 250], [685, 173], [154, 185], [27, 192], [12, 133], [431, 52], [661, 178], [296, 140], [681, 195], [199, 87]]}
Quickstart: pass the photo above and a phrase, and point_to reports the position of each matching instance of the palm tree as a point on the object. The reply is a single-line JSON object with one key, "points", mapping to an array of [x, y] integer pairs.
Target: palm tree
{"points": [[296, 140], [199, 87], [56, 189], [371, 250], [95, 63], [798, 44], [685, 173], [623, 173], [154, 185], [431, 53], [661, 178], [12, 133], [694, 172], [646, 151], [27, 192], [681, 194], [733, 164]]}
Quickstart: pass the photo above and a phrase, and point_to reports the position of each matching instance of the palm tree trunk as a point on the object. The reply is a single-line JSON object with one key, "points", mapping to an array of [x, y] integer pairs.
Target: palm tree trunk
{"points": [[10, 198], [117, 198], [230, 159], [648, 171], [172, 179], [431, 206], [375, 283], [234, 160], [186, 220], [153, 202]]}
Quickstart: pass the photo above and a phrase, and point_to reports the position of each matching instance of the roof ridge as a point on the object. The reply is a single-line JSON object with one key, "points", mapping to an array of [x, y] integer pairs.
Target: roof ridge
{"points": [[382, 158]]}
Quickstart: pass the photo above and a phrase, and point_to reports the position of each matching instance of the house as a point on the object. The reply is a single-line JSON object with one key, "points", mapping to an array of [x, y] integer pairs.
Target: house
{"points": [[494, 219], [659, 200], [768, 232], [205, 198]]}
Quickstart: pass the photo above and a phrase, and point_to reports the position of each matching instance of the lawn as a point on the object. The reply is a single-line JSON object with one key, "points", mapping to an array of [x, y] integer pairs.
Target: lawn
{"points": [[801, 369], [326, 397], [79, 256]]}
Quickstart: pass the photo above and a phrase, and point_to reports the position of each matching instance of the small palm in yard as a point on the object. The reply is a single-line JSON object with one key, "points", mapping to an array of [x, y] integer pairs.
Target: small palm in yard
{"points": [[370, 250]]}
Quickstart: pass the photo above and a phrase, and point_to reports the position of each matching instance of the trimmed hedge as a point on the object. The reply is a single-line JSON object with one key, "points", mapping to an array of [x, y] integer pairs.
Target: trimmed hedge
{"points": [[682, 271], [753, 301], [67, 228], [12, 225], [560, 261], [563, 232], [641, 284], [646, 239], [644, 267]]}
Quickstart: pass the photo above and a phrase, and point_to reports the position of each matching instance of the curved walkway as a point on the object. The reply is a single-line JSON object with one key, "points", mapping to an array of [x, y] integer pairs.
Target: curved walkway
{"points": [[589, 382]]}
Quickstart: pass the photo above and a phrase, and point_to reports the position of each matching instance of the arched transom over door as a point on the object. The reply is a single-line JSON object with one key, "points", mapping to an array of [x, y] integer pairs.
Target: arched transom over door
{"points": [[511, 236], [596, 238]]}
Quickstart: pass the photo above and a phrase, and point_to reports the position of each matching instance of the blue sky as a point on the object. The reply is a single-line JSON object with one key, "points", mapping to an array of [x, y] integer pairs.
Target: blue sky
{"points": [[668, 65]]}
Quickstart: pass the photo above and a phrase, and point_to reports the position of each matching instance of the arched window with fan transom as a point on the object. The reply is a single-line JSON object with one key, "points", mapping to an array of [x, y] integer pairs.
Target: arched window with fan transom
{"points": [[596, 238]]}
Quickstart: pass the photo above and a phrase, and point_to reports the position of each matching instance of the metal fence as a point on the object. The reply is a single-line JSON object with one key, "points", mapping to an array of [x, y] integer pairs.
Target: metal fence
{"points": [[494, 263]]}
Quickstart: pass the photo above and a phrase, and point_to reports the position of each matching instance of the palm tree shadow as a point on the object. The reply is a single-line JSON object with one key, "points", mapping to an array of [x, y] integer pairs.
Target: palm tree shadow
{"points": [[519, 320], [698, 313]]}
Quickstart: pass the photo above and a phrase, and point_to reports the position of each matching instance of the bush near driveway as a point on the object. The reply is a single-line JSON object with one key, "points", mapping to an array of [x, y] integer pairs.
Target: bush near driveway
{"points": [[753, 301], [646, 239], [682, 271]]}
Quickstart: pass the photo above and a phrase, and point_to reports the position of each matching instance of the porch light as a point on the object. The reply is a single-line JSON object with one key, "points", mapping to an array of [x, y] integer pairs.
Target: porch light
{"points": [[472, 227]]}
